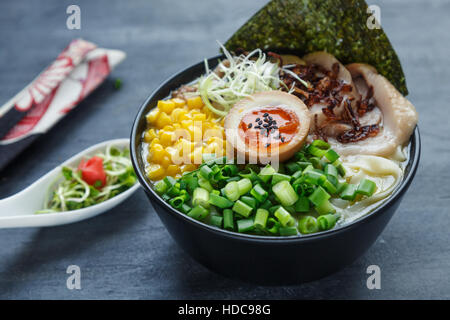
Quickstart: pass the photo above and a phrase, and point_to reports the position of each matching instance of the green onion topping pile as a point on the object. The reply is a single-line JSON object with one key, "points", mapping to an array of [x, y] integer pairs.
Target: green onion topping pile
{"points": [[248, 199]]}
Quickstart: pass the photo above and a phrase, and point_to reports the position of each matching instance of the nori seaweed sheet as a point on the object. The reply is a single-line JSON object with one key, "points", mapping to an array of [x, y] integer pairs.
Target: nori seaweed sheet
{"points": [[336, 26]]}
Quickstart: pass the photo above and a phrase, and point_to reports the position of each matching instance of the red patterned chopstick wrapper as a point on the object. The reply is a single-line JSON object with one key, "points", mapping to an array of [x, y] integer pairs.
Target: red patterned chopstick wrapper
{"points": [[77, 71]]}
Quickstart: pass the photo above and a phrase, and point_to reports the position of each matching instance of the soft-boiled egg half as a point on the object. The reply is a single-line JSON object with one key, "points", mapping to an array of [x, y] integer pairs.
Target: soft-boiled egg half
{"points": [[267, 126]]}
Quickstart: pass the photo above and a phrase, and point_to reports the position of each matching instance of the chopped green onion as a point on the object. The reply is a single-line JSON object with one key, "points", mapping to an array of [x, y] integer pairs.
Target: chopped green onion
{"points": [[204, 183], [174, 190], [249, 201], [206, 172], [288, 231], [317, 152], [285, 193], [302, 205], [314, 176], [296, 175], [274, 208], [293, 167], [327, 221], [331, 155], [228, 222], [216, 221], [320, 144], [201, 197], [198, 213], [273, 226], [245, 225], [304, 164], [230, 170], [327, 185], [170, 181], [277, 177], [233, 179], [244, 186], [160, 187], [249, 174], [266, 204], [325, 208], [259, 193], [266, 173], [242, 208], [261, 218], [177, 202], [231, 191], [331, 170], [340, 187], [218, 201], [307, 225], [319, 196], [366, 187], [283, 216], [340, 167], [334, 180], [185, 208], [349, 192], [191, 182]]}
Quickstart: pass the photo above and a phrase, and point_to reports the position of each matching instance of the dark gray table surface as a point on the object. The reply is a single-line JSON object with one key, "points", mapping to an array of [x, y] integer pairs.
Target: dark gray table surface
{"points": [[127, 252]]}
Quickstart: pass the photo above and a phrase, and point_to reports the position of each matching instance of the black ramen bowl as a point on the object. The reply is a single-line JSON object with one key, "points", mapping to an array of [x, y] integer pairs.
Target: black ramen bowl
{"points": [[264, 259]]}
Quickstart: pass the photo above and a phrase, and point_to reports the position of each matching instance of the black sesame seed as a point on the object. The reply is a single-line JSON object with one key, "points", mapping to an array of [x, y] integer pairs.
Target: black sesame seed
{"points": [[257, 119], [257, 127], [270, 118], [282, 139], [265, 125], [260, 122], [266, 114], [249, 125], [267, 145], [275, 127]]}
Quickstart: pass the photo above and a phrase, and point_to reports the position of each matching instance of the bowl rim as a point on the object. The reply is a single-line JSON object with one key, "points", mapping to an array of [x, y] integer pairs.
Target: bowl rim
{"points": [[135, 153]]}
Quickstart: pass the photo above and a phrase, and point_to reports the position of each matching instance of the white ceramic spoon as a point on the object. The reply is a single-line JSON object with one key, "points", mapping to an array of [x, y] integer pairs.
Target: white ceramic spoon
{"points": [[19, 210]]}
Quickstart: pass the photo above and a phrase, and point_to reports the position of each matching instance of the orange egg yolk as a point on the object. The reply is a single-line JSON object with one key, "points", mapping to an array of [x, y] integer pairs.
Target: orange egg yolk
{"points": [[268, 127]]}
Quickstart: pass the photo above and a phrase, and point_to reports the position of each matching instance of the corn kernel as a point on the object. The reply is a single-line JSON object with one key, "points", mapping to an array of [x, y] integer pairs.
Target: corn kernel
{"points": [[165, 161], [166, 106], [184, 116], [154, 141], [179, 103], [195, 102], [152, 116], [199, 117], [172, 170], [155, 172], [166, 138], [149, 135], [168, 128], [157, 153], [186, 124], [176, 113], [163, 120]]}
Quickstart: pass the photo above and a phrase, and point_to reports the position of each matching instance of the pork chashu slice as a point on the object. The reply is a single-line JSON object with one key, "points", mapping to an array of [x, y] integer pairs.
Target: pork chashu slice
{"points": [[399, 116]]}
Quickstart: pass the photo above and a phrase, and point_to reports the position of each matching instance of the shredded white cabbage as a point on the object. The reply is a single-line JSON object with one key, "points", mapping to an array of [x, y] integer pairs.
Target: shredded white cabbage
{"points": [[241, 77]]}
